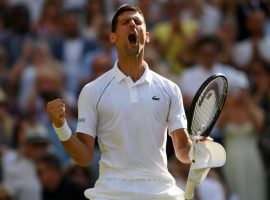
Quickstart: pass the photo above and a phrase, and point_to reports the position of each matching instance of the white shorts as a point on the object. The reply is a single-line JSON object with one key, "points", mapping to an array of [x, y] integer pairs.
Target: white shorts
{"points": [[125, 189]]}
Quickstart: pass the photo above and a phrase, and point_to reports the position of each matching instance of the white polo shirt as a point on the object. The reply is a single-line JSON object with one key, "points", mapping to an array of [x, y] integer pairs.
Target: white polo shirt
{"points": [[131, 121]]}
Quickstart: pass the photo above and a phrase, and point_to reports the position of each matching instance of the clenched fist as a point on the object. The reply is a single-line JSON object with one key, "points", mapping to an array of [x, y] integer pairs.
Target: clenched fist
{"points": [[56, 111]]}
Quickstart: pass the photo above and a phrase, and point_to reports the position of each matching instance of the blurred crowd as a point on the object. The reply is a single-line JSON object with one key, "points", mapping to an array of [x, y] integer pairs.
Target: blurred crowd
{"points": [[51, 48]]}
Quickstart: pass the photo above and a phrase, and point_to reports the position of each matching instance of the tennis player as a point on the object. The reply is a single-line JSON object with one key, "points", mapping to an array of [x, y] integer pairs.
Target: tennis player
{"points": [[130, 109]]}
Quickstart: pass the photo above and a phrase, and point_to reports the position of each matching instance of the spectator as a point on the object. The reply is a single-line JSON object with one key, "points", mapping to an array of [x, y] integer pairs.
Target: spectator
{"points": [[80, 175], [35, 56], [207, 52], [100, 65], [241, 122], [18, 167], [255, 47], [260, 94], [95, 17], [34, 7], [49, 85], [206, 57], [207, 14], [6, 120], [243, 10], [104, 49], [70, 49], [173, 37], [152, 10], [49, 21], [55, 185], [19, 33], [227, 33]]}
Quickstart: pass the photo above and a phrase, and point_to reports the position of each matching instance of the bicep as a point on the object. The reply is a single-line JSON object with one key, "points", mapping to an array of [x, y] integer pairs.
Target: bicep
{"points": [[87, 112], [177, 117]]}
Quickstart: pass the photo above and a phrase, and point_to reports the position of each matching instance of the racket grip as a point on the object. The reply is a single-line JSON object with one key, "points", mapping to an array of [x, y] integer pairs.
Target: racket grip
{"points": [[189, 190]]}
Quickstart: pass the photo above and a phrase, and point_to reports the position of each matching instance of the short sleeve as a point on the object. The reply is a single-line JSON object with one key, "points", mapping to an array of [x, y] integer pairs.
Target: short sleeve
{"points": [[87, 113], [177, 116]]}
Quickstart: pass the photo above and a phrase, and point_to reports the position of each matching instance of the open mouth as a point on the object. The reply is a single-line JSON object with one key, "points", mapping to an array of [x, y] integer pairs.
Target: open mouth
{"points": [[132, 38]]}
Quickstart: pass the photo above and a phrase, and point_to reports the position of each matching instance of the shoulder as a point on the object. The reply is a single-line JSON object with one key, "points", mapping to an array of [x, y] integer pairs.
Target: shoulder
{"points": [[91, 92], [98, 85], [157, 78], [163, 82]]}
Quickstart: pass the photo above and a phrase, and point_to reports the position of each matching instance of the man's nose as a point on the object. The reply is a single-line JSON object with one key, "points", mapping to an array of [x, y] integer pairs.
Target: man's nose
{"points": [[132, 24]]}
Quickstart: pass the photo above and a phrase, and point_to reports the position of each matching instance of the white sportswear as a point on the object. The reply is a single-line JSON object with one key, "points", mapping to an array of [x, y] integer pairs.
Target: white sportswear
{"points": [[131, 122]]}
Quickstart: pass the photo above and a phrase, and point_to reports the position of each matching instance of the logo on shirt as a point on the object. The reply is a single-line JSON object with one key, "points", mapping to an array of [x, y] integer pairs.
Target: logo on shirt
{"points": [[155, 98], [81, 120]]}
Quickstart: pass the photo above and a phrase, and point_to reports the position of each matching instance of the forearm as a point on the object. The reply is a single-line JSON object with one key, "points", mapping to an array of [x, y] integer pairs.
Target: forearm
{"points": [[80, 146], [182, 153], [182, 145], [79, 151]]}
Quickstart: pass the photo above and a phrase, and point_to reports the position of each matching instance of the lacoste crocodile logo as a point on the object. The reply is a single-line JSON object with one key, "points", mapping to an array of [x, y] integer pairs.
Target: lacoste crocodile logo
{"points": [[155, 98]]}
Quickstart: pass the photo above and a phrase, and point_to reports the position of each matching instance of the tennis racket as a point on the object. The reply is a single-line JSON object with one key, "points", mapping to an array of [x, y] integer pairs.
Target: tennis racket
{"points": [[205, 109]]}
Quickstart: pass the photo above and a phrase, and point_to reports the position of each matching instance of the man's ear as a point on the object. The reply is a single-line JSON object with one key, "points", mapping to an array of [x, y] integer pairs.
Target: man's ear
{"points": [[112, 37], [147, 39]]}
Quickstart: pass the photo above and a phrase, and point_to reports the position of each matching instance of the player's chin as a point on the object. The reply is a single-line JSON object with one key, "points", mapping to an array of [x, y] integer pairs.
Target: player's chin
{"points": [[133, 45], [133, 50]]}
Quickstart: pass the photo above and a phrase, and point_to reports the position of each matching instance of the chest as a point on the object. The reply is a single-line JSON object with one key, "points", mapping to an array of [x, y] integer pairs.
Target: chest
{"points": [[143, 100]]}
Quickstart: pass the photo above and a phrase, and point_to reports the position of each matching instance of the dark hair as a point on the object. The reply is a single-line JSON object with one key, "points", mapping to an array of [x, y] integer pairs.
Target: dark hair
{"points": [[50, 160], [210, 39], [20, 18], [124, 8]]}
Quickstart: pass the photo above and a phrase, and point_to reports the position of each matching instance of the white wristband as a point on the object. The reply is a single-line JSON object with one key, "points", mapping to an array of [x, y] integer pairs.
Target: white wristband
{"points": [[64, 132], [191, 153]]}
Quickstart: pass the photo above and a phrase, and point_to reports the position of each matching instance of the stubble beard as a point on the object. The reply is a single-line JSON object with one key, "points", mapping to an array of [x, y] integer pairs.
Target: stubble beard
{"points": [[134, 51]]}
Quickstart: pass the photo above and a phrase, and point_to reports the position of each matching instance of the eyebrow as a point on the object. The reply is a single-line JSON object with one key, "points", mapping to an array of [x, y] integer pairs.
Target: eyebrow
{"points": [[130, 18]]}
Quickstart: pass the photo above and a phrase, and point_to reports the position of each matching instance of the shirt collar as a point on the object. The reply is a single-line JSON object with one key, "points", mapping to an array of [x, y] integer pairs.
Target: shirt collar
{"points": [[119, 75]]}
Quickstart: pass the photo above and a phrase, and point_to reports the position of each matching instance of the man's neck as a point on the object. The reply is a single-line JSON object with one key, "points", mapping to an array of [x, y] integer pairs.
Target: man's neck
{"points": [[132, 67]]}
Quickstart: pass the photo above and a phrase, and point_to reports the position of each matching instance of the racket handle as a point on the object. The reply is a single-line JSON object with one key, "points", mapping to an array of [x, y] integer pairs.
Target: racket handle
{"points": [[189, 190]]}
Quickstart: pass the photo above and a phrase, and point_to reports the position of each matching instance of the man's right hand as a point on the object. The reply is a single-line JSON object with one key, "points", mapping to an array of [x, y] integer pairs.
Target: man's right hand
{"points": [[56, 112]]}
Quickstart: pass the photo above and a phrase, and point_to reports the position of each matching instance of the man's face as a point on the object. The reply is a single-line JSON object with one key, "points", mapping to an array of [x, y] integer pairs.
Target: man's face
{"points": [[256, 22], [130, 35], [44, 174], [34, 150], [207, 54]]}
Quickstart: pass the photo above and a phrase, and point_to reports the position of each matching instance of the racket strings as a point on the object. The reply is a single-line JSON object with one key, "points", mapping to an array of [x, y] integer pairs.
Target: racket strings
{"points": [[206, 107], [204, 114]]}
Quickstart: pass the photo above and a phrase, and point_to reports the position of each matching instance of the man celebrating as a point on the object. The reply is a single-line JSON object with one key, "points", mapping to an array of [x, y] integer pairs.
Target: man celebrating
{"points": [[130, 109]]}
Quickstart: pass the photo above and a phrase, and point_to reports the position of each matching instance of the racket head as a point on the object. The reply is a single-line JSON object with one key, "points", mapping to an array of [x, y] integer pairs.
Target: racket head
{"points": [[207, 105]]}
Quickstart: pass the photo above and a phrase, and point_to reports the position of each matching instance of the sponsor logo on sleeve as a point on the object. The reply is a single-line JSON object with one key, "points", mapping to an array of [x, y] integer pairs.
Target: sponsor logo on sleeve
{"points": [[81, 120]]}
